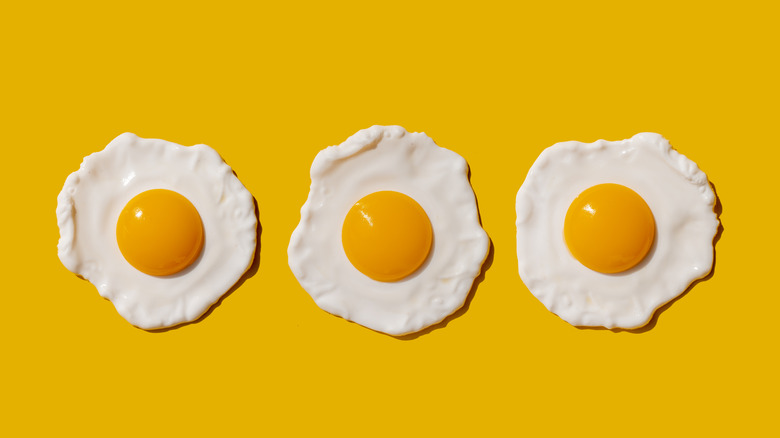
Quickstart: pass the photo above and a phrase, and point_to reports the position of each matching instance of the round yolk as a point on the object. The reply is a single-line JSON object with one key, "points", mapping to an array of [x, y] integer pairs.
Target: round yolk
{"points": [[159, 232], [387, 236], [609, 228]]}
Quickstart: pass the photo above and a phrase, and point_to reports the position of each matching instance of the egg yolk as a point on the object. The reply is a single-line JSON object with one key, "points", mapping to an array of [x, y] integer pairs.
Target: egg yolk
{"points": [[609, 228], [387, 236], [159, 232]]}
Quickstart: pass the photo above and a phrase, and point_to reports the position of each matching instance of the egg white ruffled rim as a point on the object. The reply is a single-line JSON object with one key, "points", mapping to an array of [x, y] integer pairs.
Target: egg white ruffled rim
{"points": [[437, 179], [93, 196], [626, 300]]}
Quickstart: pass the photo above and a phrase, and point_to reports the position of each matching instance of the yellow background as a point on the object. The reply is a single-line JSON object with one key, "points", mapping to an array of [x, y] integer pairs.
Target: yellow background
{"points": [[271, 84]]}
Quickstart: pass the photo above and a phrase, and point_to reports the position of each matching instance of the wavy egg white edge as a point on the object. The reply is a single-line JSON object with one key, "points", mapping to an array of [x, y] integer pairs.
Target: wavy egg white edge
{"points": [[686, 226], [92, 197], [435, 177]]}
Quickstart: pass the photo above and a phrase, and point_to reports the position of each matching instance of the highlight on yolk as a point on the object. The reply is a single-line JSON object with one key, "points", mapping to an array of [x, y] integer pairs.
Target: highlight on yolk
{"points": [[387, 236], [160, 232], [609, 228]]}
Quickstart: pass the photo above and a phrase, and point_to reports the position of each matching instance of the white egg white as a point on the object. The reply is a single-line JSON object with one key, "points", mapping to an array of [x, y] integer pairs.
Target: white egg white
{"points": [[675, 189], [93, 197], [389, 158]]}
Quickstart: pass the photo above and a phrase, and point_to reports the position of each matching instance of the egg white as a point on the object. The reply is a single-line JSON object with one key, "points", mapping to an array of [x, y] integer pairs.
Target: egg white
{"points": [[389, 158], [675, 189], [93, 197]]}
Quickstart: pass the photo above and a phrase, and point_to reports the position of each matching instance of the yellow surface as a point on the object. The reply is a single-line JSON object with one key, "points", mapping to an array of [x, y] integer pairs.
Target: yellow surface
{"points": [[270, 85]]}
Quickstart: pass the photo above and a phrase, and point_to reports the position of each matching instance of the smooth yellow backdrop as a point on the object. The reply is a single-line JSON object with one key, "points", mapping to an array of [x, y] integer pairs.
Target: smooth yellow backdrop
{"points": [[270, 84]]}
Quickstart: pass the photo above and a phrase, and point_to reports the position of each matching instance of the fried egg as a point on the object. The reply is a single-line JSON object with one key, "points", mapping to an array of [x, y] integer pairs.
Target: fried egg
{"points": [[389, 236], [608, 232], [161, 230]]}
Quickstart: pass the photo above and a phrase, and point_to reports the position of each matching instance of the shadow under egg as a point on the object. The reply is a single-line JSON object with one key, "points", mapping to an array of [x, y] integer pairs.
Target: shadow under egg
{"points": [[466, 304], [488, 262], [651, 323], [250, 272]]}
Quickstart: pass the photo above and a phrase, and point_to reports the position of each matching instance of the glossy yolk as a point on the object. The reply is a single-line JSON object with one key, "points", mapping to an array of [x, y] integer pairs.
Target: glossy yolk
{"points": [[609, 228], [159, 232], [387, 236]]}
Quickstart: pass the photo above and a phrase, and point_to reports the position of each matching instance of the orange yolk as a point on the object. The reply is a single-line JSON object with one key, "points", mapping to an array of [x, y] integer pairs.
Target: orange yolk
{"points": [[159, 232], [387, 236], [609, 228]]}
